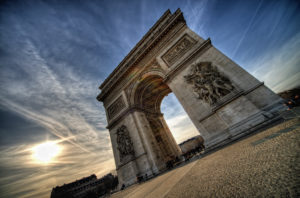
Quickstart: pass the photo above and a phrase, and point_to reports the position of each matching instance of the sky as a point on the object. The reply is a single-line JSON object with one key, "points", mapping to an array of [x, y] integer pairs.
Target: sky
{"points": [[55, 54]]}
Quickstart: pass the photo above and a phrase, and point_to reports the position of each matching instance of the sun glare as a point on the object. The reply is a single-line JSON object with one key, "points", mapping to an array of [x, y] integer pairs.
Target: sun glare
{"points": [[46, 152]]}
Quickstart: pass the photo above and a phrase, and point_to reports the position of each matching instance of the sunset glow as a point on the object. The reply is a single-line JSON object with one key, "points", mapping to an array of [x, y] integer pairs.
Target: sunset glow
{"points": [[55, 54], [46, 152]]}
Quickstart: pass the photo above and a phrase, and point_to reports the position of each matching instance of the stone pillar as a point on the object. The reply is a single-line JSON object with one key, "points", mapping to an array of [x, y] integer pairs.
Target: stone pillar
{"points": [[153, 152], [245, 105], [170, 138]]}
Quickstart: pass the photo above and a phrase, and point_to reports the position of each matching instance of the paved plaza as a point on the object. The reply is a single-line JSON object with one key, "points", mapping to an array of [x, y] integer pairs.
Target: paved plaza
{"points": [[266, 164]]}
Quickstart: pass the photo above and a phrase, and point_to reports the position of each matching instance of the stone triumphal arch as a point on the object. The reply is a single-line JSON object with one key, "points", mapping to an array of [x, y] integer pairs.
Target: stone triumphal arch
{"points": [[223, 101]]}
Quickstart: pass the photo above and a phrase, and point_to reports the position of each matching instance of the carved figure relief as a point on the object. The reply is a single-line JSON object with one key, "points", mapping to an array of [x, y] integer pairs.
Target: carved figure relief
{"points": [[125, 145], [116, 107], [208, 84], [180, 48]]}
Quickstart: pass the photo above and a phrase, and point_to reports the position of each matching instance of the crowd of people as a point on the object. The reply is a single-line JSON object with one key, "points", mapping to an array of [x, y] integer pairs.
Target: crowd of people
{"points": [[292, 102]]}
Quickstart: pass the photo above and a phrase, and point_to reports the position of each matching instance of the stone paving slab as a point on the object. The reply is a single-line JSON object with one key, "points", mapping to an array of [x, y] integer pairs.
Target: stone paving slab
{"points": [[266, 164]]}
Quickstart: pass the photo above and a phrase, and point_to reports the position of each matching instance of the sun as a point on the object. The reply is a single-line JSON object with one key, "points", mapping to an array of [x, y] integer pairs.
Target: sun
{"points": [[46, 152]]}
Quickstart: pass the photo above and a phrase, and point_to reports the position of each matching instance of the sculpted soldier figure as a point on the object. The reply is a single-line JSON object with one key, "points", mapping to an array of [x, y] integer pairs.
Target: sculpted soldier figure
{"points": [[223, 101], [209, 85], [125, 145]]}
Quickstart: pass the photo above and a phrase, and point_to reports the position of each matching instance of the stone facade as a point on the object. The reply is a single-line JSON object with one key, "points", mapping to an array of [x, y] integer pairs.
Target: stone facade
{"points": [[191, 144], [80, 188], [223, 100]]}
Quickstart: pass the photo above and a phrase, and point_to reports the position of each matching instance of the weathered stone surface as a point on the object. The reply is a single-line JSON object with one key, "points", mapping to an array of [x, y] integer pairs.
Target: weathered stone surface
{"points": [[125, 146], [116, 107], [262, 165], [179, 49], [208, 84], [223, 101]]}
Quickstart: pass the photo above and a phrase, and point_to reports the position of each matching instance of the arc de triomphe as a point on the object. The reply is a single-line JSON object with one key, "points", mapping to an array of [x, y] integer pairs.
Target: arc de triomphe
{"points": [[223, 100]]}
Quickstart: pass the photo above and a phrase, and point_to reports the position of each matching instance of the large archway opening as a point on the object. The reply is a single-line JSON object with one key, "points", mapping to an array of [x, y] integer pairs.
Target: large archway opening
{"points": [[149, 94], [177, 119]]}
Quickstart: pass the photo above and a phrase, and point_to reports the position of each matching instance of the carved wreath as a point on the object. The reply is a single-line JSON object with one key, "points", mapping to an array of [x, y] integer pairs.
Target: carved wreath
{"points": [[208, 84], [125, 145]]}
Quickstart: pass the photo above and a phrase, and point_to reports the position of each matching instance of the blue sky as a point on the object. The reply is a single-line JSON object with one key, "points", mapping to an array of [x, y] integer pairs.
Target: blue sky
{"points": [[55, 54]]}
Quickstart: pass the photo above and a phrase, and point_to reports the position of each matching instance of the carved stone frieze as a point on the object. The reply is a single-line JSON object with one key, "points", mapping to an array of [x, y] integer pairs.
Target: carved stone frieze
{"points": [[208, 83], [154, 64], [170, 25], [125, 145], [116, 107], [167, 59], [179, 49]]}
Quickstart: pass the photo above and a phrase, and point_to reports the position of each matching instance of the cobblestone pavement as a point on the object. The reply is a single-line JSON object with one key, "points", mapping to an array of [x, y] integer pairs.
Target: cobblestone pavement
{"points": [[266, 164]]}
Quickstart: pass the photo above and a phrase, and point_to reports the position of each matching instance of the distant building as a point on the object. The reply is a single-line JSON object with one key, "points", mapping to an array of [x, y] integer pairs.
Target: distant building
{"points": [[290, 94], [83, 187], [191, 144]]}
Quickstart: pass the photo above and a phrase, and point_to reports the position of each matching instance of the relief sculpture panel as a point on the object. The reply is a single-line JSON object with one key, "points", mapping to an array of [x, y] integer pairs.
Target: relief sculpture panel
{"points": [[180, 48], [208, 83], [125, 145], [224, 101], [116, 107]]}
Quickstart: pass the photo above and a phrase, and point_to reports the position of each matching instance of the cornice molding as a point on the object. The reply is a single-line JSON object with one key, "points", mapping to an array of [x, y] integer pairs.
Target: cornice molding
{"points": [[153, 36], [144, 62], [200, 49]]}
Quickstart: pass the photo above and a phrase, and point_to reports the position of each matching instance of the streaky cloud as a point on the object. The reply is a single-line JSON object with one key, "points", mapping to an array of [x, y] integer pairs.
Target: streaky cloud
{"points": [[279, 69]]}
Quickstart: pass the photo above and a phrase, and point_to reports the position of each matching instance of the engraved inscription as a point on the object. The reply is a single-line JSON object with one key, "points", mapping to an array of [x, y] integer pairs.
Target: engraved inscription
{"points": [[116, 107], [179, 49], [208, 84]]}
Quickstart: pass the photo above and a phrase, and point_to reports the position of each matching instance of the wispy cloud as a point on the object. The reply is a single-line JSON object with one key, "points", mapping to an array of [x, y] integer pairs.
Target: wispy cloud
{"points": [[247, 29], [24, 178], [87, 148], [177, 119], [196, 15], [54, 55], [280, 69], [52, 94]]}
